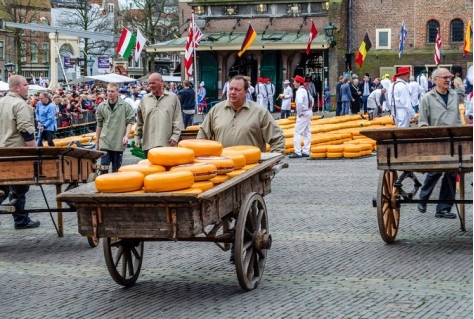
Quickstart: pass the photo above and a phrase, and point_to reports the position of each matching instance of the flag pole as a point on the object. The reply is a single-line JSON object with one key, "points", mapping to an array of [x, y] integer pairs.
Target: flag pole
{"points": [[193, 43]]}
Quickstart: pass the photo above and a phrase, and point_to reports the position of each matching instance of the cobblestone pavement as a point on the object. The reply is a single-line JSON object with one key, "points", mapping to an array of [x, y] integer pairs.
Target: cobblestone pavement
{"points": [[327, 261]]}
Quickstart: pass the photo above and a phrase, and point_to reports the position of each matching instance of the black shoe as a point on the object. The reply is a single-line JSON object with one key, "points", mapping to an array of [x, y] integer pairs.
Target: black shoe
{"points": [[422, 208], [294, 155], [445, 214], [304, 155], [31, 224], [232, 259]]}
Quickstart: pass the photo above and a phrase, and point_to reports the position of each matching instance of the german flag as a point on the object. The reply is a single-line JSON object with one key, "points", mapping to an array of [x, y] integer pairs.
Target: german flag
{"points": [[249, 38], [363, 49]]}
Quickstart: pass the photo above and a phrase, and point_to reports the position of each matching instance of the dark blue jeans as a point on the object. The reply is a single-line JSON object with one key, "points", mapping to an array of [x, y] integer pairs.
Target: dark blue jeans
{"points": [[18, 191], [112, 157], [445, 193], [364, 102], [188, 119], [284, 114]]}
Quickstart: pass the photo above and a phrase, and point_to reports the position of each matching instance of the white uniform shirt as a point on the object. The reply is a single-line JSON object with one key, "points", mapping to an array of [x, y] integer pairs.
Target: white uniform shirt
{"points": [[301, 100], [423, 82], [373, 101], [286, 101], [416, 92], [402, 102]]}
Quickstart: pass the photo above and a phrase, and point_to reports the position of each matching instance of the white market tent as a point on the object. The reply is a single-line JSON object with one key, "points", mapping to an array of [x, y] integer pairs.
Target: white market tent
{"points": [[110, 78], [3, 86], [34, 88]]}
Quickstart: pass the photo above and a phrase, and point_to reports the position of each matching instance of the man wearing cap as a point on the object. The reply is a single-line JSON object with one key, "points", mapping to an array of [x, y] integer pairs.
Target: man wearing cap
{"points": [[400, 100], [286, 97], [423, 81], [303, 119], [439, 107], [261, 90], [124, 95]]}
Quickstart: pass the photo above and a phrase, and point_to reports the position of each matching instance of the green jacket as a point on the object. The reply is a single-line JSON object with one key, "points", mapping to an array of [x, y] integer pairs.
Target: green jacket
{"points": [[114, 124]]}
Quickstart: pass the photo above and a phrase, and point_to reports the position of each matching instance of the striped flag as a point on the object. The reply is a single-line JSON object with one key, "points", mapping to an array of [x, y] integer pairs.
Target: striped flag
{"points": [[312, 34], [126, 43], [249, 38], [363, 49], [467, 40], [403, 36], [437, 54], [192, 42]]}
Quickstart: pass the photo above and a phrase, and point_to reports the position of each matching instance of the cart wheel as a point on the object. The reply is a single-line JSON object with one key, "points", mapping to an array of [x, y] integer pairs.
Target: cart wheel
{"points": [[252, 240], [388, 214], [93, 242], [124, 259]]}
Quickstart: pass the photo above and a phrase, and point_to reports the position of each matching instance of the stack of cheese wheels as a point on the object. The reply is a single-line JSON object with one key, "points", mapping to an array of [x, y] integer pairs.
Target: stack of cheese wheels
{"points": [[119, 182], [168, 181], [223, 164], [191, 190], [142, 168], [365, 148], [318, 151], [145, 162], [334, 151], [203, 185], [171, 156], [252, 153], [202, 147], [238, 159], [201, 171], [219, 179], [352, 150], [235, 172]]}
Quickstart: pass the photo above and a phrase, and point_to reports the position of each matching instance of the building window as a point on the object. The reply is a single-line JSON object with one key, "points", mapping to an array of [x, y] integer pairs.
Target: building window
{"points": [[45, 52], [110, 8], [384, 37], [1, 51], [33, 32], [457, 31], [23, 52], [431, 31], [44, 21], [34, 52]]}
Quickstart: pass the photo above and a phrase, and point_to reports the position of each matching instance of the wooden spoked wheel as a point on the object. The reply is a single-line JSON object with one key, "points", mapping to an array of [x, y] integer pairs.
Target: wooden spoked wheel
{"points": [[124, 259], [252, 240], [388, 214]]}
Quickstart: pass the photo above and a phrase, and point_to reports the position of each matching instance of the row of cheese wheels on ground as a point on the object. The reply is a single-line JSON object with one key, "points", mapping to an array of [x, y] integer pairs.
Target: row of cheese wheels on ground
{"points": [[346, 150], [193, 167]]}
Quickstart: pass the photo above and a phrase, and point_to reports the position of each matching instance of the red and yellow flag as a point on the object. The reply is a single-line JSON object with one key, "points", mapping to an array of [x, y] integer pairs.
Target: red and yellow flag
{"points": [[249, 38], [467, 40], [363, 49]]}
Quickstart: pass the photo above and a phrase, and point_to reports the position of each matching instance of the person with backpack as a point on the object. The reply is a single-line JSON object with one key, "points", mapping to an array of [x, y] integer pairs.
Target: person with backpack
{"points": [[304, 112]]}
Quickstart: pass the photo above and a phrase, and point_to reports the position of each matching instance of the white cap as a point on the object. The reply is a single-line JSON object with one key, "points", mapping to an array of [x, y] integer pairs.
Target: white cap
{"points": [[286, 82], [202, 83]]}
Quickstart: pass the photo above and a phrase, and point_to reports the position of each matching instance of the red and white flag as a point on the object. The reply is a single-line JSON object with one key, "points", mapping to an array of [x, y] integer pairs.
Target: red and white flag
{"points": [[437, 53], [312, 34], [194, 37], [141, 40]]}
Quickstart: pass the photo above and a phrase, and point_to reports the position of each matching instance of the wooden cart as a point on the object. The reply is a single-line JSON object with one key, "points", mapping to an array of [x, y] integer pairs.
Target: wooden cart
{"points": [[47, 165], [125, 221], [425, 149]]}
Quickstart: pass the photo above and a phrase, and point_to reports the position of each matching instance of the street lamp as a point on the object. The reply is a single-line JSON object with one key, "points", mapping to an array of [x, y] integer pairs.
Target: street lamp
{"points": [[330, 30], [9, 67], [90, 63]]}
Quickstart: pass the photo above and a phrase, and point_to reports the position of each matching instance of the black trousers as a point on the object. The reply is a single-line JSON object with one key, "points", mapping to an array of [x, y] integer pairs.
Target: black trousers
{"points": [[47, 136]]}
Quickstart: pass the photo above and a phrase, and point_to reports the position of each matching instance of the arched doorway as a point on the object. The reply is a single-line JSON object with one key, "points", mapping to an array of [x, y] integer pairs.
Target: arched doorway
{"points": [[208, 73]]}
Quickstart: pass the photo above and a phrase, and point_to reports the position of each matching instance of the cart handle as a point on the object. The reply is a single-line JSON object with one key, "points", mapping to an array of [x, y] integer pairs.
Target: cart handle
{"points": [[278, 167]]}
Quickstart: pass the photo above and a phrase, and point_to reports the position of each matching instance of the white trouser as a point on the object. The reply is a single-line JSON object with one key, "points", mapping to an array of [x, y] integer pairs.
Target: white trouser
{"points": [[303, 128], [403, 118], [270, 103], [262, 100]]}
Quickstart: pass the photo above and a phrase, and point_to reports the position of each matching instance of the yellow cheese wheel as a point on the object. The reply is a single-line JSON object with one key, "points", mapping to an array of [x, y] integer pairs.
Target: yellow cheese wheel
{"points": [[249, 166], [140, 191], [352, 148], [119, 182], [201, 171], [335, 148], [145, 162], [352, 154], [168, 181], [238, 159], [223, 164], [252, 153], [219, 179], [170, 156], [203, 185], [319, 149], [365, 147], [317, 155], [334, 155], [366, 152], [289, 150], [202, 147], [235, 173], [192, 128], [144, 169], [191, 190]]}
